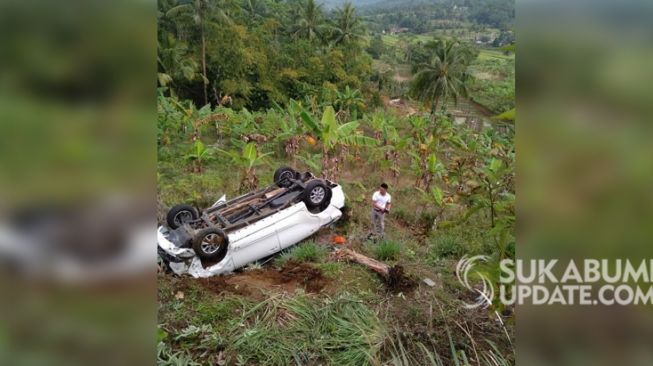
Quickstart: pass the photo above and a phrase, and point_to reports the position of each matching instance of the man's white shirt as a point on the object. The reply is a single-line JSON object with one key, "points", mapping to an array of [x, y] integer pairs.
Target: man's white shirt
{"points": [[380, 200]]}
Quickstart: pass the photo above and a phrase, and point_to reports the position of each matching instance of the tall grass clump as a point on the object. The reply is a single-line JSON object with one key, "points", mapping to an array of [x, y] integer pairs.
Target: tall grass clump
{"points": [[446, 246], [306, 252], [387, 250], [303, 330], [401, 354], [309, 252]]}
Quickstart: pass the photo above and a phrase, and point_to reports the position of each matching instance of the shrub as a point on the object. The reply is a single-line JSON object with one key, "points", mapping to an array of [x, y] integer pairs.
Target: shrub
{"points": [[387, 250], [446, 246], [404, 214]]}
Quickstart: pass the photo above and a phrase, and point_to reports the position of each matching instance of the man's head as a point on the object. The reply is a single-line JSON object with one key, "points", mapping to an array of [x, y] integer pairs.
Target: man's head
{"points": [[383, 188]]}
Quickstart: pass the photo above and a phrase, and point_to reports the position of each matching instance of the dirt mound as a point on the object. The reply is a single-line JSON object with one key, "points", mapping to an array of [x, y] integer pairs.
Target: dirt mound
{"points": [[259, 282]]}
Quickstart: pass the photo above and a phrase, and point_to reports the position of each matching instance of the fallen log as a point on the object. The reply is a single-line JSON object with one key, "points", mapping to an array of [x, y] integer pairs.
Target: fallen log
{"points": [[393, 276], [352, 256]]}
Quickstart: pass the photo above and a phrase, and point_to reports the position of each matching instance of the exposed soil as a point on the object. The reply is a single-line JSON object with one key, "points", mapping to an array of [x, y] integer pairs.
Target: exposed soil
{"points": [[260, 282]]}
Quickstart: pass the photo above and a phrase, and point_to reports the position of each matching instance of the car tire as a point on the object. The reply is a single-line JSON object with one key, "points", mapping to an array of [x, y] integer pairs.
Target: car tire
{"points": [[181, 214], [317, 194], [210, 244], [282, 175]]}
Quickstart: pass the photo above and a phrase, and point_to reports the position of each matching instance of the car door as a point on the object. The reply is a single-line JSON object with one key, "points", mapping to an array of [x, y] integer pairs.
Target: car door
{"points": [[298, 225], [254, 242]]}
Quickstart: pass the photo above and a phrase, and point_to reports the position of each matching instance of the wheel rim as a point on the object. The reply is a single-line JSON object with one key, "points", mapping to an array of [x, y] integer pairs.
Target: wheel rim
{"points": [[317, 194], [285, 177], [183, 217], [211, 243]]}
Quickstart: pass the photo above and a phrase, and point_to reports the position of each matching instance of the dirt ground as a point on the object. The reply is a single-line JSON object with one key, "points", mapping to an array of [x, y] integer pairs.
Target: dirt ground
{"points": [[259, 283]]}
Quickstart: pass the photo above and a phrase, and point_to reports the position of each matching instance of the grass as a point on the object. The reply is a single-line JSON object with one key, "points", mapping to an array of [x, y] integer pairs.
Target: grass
{"points": [[447, 246], [332, 269], [214, 312], [166, 357], [302, 330], [387, 250], [420, 354], [305, 252], [486, 54]]}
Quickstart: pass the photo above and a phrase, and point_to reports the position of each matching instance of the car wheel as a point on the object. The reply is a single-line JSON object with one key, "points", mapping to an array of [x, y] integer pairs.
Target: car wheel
{"points": [[210, 244], [283, 175], [181, 214], [316, 194]]}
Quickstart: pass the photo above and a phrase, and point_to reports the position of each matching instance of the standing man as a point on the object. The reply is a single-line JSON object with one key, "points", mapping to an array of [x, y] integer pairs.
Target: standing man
{"points": [[381, 203]]}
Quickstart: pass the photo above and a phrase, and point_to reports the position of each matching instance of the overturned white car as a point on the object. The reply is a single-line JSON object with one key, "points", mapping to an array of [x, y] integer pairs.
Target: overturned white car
{"points": [[233, 233]]}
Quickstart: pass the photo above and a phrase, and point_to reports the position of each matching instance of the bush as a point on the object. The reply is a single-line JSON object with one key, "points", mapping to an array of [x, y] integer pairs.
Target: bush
{"points": [[404, 214], [447, 246], [472, 238], [387, 250]]}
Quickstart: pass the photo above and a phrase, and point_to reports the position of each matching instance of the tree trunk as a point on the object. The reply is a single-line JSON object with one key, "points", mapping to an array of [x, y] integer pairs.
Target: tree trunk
{"points": [[205, 81], [352, 256], [492, 214], [434, 106]]}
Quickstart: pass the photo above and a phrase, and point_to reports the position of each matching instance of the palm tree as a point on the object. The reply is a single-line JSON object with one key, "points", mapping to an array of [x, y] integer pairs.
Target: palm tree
{"points": [[203, 13], [255, 9], [348, 27], [310, 24], [444, 76], [174, 61]]}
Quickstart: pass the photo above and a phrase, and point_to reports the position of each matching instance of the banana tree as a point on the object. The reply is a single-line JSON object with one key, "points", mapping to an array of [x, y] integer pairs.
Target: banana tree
{"points": [[192, 116], [247, 160], [335, 139], [394, 154], [419, 124], [198, 155], [384, 132], [424, 161], [289, 134], [434, 169], [312, 161]]}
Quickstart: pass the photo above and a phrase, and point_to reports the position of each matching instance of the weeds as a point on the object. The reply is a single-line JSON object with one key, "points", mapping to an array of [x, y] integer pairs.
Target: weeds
{"points": [[420, 354], [306, 252], [165, 357], [446, 246], [303, 330], [332, 269], [461, 240], [387, 250]]}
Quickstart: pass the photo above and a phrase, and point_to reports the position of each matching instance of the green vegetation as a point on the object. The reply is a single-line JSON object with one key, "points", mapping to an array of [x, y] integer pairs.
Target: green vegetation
{"points": [[444, 75], [248, 86], [493, 85], [387, 250], [257, 53], [299, 330], [307, 252]]}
